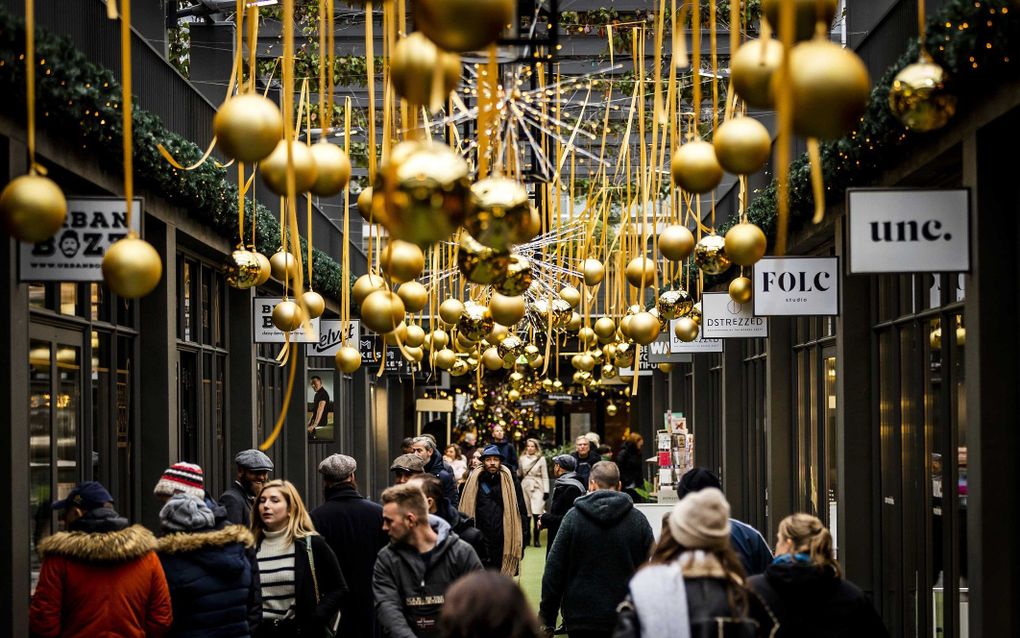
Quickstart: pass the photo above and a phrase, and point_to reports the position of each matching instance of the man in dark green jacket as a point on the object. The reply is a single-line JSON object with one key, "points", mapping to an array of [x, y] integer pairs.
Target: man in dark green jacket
{"points": [[600, 544]]}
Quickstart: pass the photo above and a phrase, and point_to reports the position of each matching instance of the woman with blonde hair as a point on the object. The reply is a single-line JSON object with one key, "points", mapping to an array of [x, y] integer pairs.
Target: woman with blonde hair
{"points": [[805, 587], [302, 585], [534, 475]]}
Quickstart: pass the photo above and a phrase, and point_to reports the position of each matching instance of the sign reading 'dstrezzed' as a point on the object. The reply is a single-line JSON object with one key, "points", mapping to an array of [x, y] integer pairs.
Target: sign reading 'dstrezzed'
{"points": [[796, 286], [907, 230], [723, 318]]}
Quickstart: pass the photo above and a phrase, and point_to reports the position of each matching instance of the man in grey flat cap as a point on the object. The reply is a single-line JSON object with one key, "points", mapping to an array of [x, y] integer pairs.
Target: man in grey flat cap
{"points": [[405, 466], [353, 527], [253, 468]]}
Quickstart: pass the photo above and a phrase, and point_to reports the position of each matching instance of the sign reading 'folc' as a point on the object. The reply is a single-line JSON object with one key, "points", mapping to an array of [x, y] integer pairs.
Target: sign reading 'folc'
{"points": [[723, 318], [792, 286]]}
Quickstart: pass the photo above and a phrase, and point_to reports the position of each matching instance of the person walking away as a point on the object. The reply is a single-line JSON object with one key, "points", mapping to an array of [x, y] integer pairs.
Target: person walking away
{"points": [[453, 456], [253, 468], [586, 457], [405, 466], [632, 465], [320, 406], [600, 544], [100, 577], [566, 490], [425, 449], [211, 573], [412, 573], [302, 585], [487, 603], [806, 588], [493, 497], [352, 527], [460, 523], [506, 448], [534, 475]]}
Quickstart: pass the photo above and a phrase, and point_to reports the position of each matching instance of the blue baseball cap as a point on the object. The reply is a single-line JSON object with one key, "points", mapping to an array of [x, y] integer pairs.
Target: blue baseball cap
{"points": [[492, 450], [88, 496]]}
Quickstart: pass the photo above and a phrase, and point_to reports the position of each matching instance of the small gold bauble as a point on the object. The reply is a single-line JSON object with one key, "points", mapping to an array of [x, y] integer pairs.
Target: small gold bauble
{"points": [[412, 354], [510, 349], [640, 271], [695, 313], [315, 304], [807, 16], [347, 360], [438, 339], [33, 208], [445, 359], [274, 168], [507, 310], [559, 311], [609, 371], [557, 385], [609, 350], [414, 295], [463, 25], [450, 311], [422, 73], [586, 337], [710, 255], [481, 264], [547, 384], [332, 169], [491, 359], [517, 279], [605, 328], [382, 311], [516, 380], [364, 286], [397, 335], [830, 87], [243, 269], [513, 395], [248, 127], [665, 367], [585, 362], [752, 68], [265, 269], [365, 204], [287, 316], [596, 354], [459, 368], [676, 242], [502, 214], [625, 326], [745, 244], [582, 377], [624, 357], [674, 303], [686, 329], [402, 261], [131, 267], [283, 265], [742, 145], [415, 336], [571, 295], [537, 363], [740, 290], [531, 352], [919, 97], [695, 167], [611, 409], [575, 322], [478, 404], [594, 272], [475, 322], [644, 328]]}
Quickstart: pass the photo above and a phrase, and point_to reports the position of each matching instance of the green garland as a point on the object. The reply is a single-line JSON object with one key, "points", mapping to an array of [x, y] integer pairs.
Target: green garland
{"points": [[79, 101]]}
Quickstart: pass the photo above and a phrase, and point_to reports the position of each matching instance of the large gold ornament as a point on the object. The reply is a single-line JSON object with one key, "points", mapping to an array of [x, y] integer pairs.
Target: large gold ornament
{"points": [[315, 304], [695, 167], [510, 349], [364, 286], [491, 359], [481, 264], [365, 203], [830, 88], [710, 255], [571, 295], [425, 192], [347, 360], [594, 272], [459, 368], [587, 337], [414, 295], [274, 168], [243, 269], [644, 328], [422, 73], [559, 311], [752, 68], [414, 336], [437, 339], [676, 242], [283, 265], [674, 303], [131, 267], [413, 354], [445, 359], [808, 13], [248, 127], [686, 329], [517, 279], [287, 316], [740, 290], [382, 311], [450, 311], [742, 145], [745, 244], [475, 322], [605, 328], [463, 25], [502, 214], [919, 97], [402, 260], [33, 208], [507, 310], [265, 269], [332, 169], [640, 271]]}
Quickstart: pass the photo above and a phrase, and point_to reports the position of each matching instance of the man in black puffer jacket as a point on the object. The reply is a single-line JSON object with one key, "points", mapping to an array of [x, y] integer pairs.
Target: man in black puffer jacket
{"points": [[425, 448], [460, 523]]}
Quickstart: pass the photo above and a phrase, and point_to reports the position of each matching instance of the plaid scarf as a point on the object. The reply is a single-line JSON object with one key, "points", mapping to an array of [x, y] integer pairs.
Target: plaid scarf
{"points": [[513, 538]]}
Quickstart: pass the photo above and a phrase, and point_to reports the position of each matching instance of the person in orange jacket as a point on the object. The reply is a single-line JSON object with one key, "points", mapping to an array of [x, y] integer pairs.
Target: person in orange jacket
{"points": [[101, 577]]}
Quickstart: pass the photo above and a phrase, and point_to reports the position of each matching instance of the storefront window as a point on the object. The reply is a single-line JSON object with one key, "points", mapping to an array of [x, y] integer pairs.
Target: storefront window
{"points": [[755, 405], [815, 410]]}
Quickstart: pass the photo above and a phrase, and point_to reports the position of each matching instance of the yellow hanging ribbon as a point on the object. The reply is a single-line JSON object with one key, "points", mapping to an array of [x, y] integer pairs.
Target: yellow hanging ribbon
{"points": [[817, 183], [127, 107], [33, 168]]}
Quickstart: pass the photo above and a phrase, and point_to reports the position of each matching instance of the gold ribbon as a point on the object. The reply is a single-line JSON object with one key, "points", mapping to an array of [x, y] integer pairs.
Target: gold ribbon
{"points": [[33, 168], [817, 183], [127, 108]]}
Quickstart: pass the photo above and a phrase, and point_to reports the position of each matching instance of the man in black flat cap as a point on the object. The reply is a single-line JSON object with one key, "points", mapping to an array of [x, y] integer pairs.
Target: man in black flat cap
{"points": [[253, 468], [566, 489]]}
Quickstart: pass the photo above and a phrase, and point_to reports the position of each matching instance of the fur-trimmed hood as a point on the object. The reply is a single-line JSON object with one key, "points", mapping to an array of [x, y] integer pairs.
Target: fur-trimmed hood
{"points": [[118, 546], [184, 542]]}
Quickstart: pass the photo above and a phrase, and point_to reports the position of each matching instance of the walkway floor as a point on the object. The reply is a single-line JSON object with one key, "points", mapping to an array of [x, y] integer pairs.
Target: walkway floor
{"points": [[531, 573]]}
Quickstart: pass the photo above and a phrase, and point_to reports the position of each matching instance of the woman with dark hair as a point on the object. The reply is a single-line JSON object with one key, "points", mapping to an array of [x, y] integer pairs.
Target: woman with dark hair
{"points": [[487, 603]]}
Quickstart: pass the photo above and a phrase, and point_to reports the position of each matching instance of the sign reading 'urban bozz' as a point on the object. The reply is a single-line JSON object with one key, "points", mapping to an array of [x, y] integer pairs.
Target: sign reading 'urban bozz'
{"points": [[723, 318], [906, 230], [790, 286]]}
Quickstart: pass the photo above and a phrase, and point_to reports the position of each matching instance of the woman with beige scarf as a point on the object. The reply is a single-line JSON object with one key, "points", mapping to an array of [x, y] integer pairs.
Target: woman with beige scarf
{"points": [[493, 497]]}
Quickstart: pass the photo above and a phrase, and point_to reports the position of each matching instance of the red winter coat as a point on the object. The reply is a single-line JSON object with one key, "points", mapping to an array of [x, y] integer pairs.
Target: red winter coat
{"points": [[101, 584]]}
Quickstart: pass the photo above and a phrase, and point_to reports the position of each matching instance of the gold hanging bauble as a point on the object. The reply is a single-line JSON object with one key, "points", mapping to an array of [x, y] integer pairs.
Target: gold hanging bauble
{"points": [[644, 328], [594, 272], [710, 255], [463, 343], [596, 354], [283, 265], [463, 25], [742, 145], [422, 73], [425, 192], [676, 242], [510, 349], [480, 264], [517, 279], [624, 356], [365, 203], [287, 316], [274, 168], [695, 167], [478, 404], [347, 360], [396, 336], [611, 409], [332, 169], [382, 311], [587, 337], [459, 368], [414, 295], [808, 13], [437, 339], [557, 385], [315, 304], [243, 269], [640, 271], [513, 395], [585, 362], [502, 214], [919, 98], [752, 68], [531, 352], [571, 295], [686, 329], [445, 359], [363, 286], [605, 328], [547, 384], [413, 354], [537, 363], [830, 87], [491, 359], [475, 322], [33, 208], [415, 336], [248, 127], [560, 312], [498, 332], [663, 322], [265, 269], [625, 326], [695, 313], [402, 260], [450, 311], [665, 367], [131, 267], [609, 371], [575, 322], [516, 380], [583, 378], [674, 303], [745, 244], [472, 362], [507, 310], [740, 290]]}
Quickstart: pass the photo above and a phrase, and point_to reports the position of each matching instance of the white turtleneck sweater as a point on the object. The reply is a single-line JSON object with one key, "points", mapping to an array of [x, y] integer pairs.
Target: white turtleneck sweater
{"points": [[276, 570]]}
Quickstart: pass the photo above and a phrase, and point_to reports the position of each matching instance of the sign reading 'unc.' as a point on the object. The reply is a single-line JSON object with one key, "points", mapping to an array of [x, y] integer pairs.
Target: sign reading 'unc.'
{"points": [[723, 318], [790, 286], [906, 230]]}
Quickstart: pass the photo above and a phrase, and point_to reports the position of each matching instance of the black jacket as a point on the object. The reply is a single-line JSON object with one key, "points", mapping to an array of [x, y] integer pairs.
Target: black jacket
{"points": [[489, 515], [509, 452], [438, 468], [811, 601], [631, 465], [352, 526], [238, 504], [566, 490], [408, 594], [464, 526], [708, 607], [600, 544], [584, 466]]}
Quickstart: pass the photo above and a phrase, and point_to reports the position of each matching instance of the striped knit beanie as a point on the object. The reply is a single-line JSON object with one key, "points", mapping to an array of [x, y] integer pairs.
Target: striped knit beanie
{"points": [[184, 478]]}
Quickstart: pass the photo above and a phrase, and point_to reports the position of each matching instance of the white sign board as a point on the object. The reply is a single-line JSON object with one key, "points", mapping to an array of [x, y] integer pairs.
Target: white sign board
{"points": [[76, 252], [906, 230], [723, 318], [700, 345], [796, 286], [660, 351], [331, 338], [266, 332]]}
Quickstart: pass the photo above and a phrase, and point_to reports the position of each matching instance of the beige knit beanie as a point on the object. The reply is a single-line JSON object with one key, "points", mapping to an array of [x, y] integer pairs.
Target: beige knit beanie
{"points": [[701, 520]]}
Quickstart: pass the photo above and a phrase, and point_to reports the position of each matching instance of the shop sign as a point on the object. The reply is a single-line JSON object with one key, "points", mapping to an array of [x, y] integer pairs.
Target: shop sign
{"points": [[76, 252], [564, 398], [332, 338], [660, 351], [908, 230], [723, 318], [266, 332], [700, 345], [397, 365], [796, 286], [645, 367]]}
